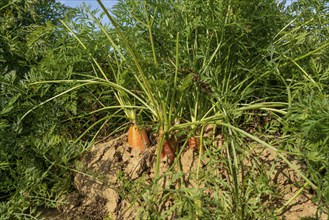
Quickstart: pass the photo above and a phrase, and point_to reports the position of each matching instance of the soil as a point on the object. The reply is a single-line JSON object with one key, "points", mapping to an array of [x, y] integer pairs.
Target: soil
{"points": [[98, 183]]}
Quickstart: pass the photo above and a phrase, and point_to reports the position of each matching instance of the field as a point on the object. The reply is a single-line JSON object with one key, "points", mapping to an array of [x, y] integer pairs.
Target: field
{"points": [[173, 110]]}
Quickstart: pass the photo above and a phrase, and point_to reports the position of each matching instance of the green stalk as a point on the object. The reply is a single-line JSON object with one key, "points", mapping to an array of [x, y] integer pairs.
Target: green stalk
{"points": [[149, 28], [264, 105], [144, 83], [54, 97], [130, 114], [311, 52], [234, 170], [158, 159], [84, 47], [173, 96], [272, 148], [198, 200], [93, 125], [200, 154], [105, 32], [278, 211], [307, 75], [100, 82]]}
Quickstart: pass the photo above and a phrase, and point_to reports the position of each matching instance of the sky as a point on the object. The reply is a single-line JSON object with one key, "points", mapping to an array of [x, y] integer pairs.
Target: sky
{"points": [[93, 3]]}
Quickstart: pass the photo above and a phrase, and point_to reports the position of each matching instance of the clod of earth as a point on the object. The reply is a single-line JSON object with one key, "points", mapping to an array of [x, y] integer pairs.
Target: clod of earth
{"points": [[99, 187]]}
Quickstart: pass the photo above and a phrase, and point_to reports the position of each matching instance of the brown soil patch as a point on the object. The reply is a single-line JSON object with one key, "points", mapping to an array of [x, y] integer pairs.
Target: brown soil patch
{"points": [[289, 183], [98, 182]]}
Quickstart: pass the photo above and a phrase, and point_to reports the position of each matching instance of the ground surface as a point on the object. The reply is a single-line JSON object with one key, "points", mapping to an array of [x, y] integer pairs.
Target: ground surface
{"points": [[97, 194]]}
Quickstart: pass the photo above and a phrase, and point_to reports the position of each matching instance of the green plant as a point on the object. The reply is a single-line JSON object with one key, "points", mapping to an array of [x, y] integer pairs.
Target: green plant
{"points": [[36, 153], [310, 123]]}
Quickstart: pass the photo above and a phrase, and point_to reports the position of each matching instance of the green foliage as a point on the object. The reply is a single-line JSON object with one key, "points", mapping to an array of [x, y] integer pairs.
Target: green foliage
{"points": [[310, 121], [36, 152], [19, 20]]}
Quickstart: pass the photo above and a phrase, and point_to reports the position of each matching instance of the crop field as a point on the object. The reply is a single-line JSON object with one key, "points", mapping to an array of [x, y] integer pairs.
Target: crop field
{"points": [[203, 109]]}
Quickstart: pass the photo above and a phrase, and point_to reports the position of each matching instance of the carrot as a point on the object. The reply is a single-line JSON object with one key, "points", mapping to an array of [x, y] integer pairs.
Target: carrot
{"points": [[137, 138], [168, 147], [168, 150], [193, 143]]}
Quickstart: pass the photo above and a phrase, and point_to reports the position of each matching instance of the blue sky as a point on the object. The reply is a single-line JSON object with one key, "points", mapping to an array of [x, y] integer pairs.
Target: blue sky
{"points": [[93, 3]]}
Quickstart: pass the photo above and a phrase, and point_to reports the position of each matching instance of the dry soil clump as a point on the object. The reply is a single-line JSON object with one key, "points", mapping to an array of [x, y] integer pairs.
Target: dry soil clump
{"points": [[98, 182]]}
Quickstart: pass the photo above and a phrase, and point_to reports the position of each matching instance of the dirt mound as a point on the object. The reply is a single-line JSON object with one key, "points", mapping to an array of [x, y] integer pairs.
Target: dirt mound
{"points": [[288, 185], [99, 182]]}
